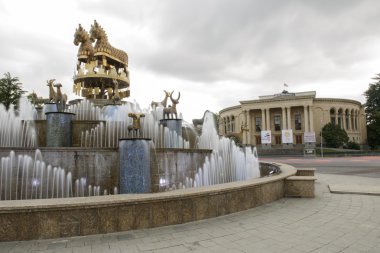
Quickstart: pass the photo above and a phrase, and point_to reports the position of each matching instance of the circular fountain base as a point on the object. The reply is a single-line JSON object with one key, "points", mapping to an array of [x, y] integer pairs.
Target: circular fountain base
{"points": [[53, 218]]}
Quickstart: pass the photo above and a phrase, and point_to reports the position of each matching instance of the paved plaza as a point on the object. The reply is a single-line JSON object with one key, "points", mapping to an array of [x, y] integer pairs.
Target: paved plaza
{"points": [[328, 223]]}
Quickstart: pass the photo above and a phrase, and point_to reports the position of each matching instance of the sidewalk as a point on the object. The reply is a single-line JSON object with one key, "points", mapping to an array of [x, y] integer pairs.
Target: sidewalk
{"points": [[327, 223]]}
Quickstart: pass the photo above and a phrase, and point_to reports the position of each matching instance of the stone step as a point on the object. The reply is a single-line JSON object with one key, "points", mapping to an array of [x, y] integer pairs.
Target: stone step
{"points": [[300, 186], [305, 171]]}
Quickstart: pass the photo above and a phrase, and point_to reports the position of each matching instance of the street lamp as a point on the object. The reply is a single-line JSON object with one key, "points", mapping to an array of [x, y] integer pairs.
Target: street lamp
{"points": [[321, 121], [321, 139]]}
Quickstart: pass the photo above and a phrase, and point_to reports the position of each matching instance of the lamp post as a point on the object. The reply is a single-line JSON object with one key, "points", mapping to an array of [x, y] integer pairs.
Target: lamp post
{"points": [[321, 140], [321, 121]]}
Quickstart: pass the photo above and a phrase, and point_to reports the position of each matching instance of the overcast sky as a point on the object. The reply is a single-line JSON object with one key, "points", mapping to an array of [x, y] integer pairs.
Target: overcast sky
{"points": [[215, 52]]}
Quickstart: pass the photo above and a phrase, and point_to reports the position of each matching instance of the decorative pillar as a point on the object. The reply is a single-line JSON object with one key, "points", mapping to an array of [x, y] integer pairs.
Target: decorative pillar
{"points": [[289, 117], [311, 116], [283, 117], [134, 165], [249, 128], [356, 121], [50, 107], [59, 129], [268, 119], [306, 118], [243, 127], [263, 127], [173, 125]]}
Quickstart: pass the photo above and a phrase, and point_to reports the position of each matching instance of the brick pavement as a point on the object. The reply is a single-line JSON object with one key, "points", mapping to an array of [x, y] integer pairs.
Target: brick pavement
{"points": [[327, 223]]}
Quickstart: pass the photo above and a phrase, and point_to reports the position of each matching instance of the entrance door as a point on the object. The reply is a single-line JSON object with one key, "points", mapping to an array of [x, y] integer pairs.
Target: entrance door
{"points": [[298, 139]]}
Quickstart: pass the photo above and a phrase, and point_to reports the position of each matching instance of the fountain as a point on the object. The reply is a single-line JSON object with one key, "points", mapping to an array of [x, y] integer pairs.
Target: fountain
{"points": [[102, 145]]}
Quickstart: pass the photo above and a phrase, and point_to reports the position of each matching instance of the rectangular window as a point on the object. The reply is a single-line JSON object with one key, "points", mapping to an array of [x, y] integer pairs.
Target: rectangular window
{"points": [[277, 122], [297, 121], [258, 124]]}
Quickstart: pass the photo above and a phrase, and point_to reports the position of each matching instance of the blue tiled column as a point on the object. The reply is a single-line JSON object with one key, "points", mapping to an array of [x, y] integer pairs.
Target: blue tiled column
{"points": [[134, 172]]}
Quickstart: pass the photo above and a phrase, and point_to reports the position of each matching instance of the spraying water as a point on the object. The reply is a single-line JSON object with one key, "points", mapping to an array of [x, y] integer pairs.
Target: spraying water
{"points": [[25, 177], [227, 161], [17, 129], [107, 135]]}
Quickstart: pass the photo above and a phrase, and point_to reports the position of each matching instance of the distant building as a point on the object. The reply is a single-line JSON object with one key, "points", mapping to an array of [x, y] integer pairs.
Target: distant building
{"points": [[289, 119]]}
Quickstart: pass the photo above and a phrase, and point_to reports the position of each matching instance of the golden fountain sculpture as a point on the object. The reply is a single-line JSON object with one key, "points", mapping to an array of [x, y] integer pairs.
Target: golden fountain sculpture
{"points": [[102, 70]]}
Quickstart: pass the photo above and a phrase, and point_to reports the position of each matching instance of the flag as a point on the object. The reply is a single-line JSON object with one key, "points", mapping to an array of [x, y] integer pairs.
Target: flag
{"points": [[285, 85]]}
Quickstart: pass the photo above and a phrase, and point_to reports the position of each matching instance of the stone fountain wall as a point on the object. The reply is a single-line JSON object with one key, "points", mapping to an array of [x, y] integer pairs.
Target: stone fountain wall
{"points": [[172, 166], [52, 218], [100, 166], [78, 126]]}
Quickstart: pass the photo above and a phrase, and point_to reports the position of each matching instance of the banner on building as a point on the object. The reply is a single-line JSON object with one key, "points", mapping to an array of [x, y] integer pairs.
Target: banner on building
{"points": [[287, 136], [309, 137], [266, 137]]}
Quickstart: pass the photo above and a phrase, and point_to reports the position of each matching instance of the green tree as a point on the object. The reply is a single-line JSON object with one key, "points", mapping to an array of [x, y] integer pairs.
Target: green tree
{"points": [[10, 90], [334, 136], [372, 110]]}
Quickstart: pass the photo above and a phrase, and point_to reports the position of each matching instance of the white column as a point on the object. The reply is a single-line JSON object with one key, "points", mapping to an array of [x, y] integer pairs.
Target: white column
{"points": [[249, 129], [288, 111], [268, 119], [311, 115], [263, 119], [356, 120], [306, 118], [283, 118], [243, 127]]}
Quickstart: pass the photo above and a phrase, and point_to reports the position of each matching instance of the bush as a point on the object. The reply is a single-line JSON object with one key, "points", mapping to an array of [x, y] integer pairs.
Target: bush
{"points": [[352, 145], [334, 136]]}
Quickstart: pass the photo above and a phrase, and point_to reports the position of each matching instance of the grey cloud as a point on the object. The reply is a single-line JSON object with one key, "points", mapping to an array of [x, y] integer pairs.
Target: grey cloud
{"points": [[201, 40], [258, 44]]}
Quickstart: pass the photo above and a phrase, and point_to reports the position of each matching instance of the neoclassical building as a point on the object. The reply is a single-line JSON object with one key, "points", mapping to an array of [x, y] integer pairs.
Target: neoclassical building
{"points": [[288, 119]]}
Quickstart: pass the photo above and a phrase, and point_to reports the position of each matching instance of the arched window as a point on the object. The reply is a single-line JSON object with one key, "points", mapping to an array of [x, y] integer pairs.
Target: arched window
{"points": [[228, 125], [347, 118], [356, 119], [340, 118], [332, 116], [352, 116]]}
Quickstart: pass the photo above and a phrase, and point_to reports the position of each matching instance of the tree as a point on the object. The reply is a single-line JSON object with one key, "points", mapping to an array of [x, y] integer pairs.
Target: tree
{"points": [[372, 110], [10, 90], [334, 136]]}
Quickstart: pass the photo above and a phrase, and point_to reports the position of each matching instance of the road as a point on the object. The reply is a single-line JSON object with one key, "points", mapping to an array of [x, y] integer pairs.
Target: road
{"points": [[364, 166]]}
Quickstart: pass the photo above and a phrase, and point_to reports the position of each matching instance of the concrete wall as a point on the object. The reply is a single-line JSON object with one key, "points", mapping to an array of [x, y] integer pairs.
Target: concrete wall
{"points": [[52, 218]]}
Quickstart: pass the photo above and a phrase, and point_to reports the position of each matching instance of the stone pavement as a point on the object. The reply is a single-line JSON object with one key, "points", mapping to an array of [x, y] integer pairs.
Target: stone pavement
{"points": [[327, 223]]}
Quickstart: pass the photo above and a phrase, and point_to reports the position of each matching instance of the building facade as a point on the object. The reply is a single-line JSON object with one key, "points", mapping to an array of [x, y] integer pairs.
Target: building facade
{"points": [[289, 119]]}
